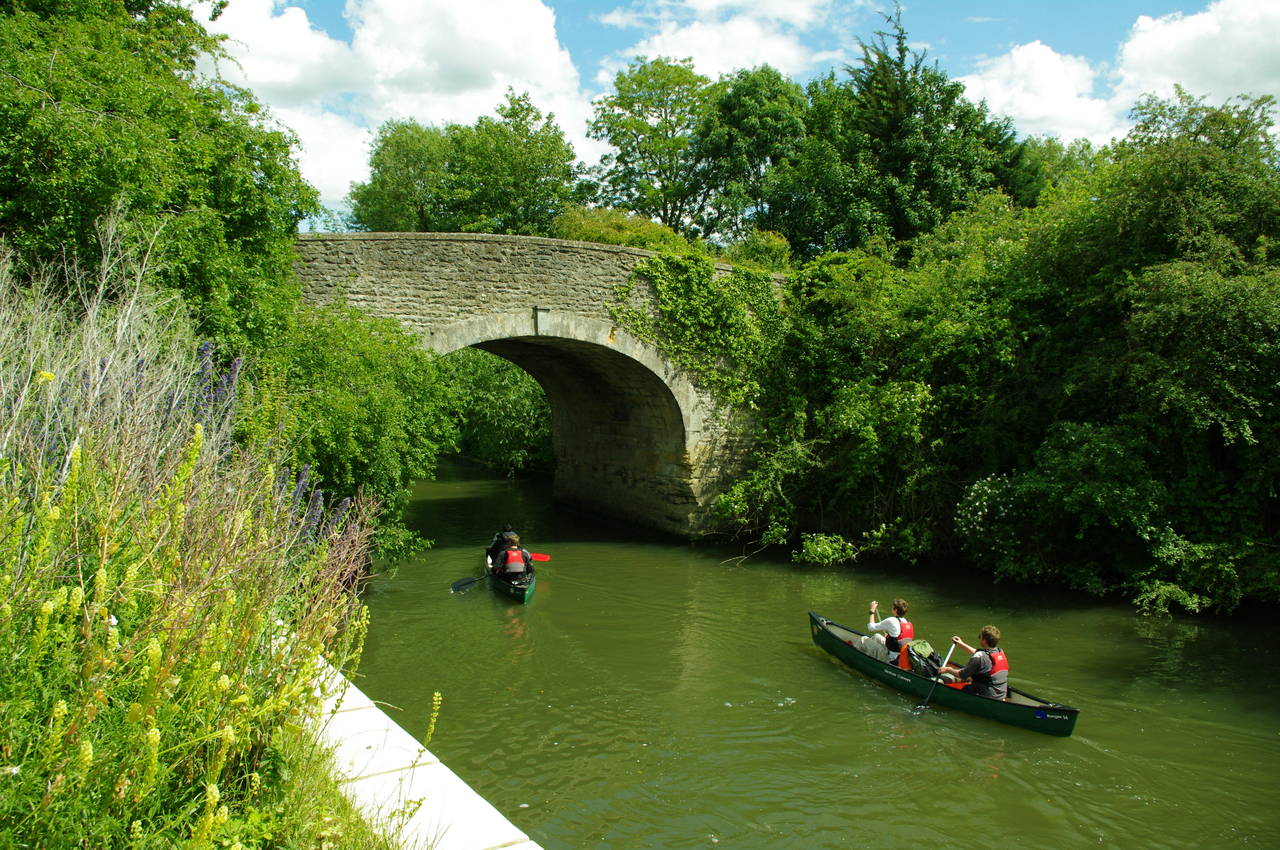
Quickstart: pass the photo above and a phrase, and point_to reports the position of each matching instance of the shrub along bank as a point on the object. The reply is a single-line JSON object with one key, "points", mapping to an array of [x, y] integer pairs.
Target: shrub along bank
{"points": [[166, 594], [1082, 393]]}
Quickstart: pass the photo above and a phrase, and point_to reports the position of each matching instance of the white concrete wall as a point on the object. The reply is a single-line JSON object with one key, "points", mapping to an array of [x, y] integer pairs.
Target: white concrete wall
{"points": [[399, 786]]}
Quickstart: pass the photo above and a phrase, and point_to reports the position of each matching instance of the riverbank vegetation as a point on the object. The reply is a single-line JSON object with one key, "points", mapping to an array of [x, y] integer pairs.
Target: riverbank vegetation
{"points": [[1080, 393], [168, 589], [170, 573], [109, 113]]}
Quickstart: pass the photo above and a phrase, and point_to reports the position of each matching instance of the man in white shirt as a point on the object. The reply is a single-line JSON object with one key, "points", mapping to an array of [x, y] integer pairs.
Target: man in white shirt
{"points": [[886, 646]]}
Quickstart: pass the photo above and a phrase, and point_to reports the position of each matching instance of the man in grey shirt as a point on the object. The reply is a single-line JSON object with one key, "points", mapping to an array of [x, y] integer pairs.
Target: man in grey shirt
{"points": [[988, 669]]}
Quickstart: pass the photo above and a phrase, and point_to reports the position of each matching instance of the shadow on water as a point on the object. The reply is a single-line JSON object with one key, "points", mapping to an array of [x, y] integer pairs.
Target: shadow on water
{"points": [[657, 695]]}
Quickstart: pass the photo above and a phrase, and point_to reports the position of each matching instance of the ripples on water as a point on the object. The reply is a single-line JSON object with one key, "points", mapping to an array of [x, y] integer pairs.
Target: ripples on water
{"points": [[654, 696]]}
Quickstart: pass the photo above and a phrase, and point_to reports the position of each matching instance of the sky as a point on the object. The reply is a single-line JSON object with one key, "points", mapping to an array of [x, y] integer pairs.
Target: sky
{"points": [[333, 71]]}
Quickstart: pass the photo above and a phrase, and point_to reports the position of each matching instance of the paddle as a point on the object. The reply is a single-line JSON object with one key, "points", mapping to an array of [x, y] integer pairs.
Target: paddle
{"points": [[936, 679], [464, 583]]}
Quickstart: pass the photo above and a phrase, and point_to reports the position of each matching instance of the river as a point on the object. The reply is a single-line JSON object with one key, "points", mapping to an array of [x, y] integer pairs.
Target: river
{"points": [[660, 695]]}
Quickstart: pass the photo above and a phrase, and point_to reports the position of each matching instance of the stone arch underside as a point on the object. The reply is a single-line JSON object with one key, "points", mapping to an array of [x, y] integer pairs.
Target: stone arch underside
{"points": [[623, 424]]}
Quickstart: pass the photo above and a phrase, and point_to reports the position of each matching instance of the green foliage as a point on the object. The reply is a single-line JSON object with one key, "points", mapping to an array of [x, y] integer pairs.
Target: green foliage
{"points": [[754, 122], [890, 152], [612, 226], [719, 327], [513, 174], [408, 188], [364, 405], [166, 599], [651, 120], [762, 249], [1139, 408], [880, 365], [1046, 162], [103, 110], [505, 416], [824, 550]]}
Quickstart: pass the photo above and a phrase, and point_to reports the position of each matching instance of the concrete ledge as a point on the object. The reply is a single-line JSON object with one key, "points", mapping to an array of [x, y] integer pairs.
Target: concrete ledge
{"points": [[400, 786]]}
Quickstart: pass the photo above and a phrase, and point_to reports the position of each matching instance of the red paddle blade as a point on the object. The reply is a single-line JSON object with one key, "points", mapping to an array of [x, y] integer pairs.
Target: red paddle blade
{"points": [[538, 556]]}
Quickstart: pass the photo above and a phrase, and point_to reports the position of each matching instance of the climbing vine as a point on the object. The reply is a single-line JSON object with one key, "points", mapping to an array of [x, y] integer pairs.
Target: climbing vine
{"points": [[720, 328]]}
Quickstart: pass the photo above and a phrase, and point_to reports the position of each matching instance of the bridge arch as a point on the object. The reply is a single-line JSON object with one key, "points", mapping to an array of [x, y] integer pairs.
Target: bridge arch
{"points": [[633, 437]]}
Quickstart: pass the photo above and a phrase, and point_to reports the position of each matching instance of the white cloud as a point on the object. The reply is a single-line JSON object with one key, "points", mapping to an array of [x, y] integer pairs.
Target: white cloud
{"points": [[281, 56], [335, 150], [725, 35], [1230, 48], [1225, 50], [1045, 92], [799, 13], [722, 47], [434, 61]]}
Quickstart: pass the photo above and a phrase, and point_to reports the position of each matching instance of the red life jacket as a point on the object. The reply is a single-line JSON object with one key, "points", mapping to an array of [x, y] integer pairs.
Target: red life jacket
{"points": [[906, 632], [996, 680], [513, 562]]}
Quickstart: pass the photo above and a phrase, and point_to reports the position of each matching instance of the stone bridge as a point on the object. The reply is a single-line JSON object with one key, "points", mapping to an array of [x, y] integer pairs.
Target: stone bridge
{"points": [[633, 438]]}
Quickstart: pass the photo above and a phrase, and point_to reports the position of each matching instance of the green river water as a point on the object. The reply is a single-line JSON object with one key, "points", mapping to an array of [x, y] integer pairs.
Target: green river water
{"points": [[657, 695]]}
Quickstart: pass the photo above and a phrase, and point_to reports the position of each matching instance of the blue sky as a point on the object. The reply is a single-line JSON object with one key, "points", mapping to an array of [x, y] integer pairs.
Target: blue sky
{"points": [[334, 70]]}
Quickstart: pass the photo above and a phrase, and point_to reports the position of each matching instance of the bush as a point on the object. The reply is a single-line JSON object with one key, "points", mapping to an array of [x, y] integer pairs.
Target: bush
{"points": [[505, 416], [616, 227], [361, 405], [165, 595]]}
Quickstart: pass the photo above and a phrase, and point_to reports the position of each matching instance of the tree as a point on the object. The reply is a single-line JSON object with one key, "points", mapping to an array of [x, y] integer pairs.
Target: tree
{"points": [[103, 110], [1140, 411], [651, 120], [1043, 162], [513, 174], [409, 184], [892, 150], [361, 404], [754, 122]]}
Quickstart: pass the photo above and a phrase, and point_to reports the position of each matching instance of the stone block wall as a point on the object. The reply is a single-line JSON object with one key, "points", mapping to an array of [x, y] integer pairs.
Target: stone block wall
{"points": [[633, 437]]}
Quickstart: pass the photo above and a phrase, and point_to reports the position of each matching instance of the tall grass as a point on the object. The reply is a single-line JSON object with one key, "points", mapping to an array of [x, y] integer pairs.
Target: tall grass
{"points": [[165, 593]]}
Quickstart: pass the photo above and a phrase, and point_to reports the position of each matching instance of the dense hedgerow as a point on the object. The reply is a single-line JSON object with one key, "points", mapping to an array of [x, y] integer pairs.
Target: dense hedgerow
{"points": [[166, 595], [1081, 394]]}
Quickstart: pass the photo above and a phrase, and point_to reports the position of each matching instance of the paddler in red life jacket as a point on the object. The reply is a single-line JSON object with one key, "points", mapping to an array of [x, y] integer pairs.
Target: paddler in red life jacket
{"points": [[988, 669], [896, 631], [513, 560]]}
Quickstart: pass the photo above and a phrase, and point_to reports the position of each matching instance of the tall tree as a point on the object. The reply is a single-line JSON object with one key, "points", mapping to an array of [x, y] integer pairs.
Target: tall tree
{"points": [[651, 120], [892, 150], [1139, 416], [754, 122], [409, 184], [510, 174], [102, 109]]}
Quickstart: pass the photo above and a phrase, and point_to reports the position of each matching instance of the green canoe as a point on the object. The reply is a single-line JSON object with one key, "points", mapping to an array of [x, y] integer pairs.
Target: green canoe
{"points": [[518, 588], [1019, 709]]}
